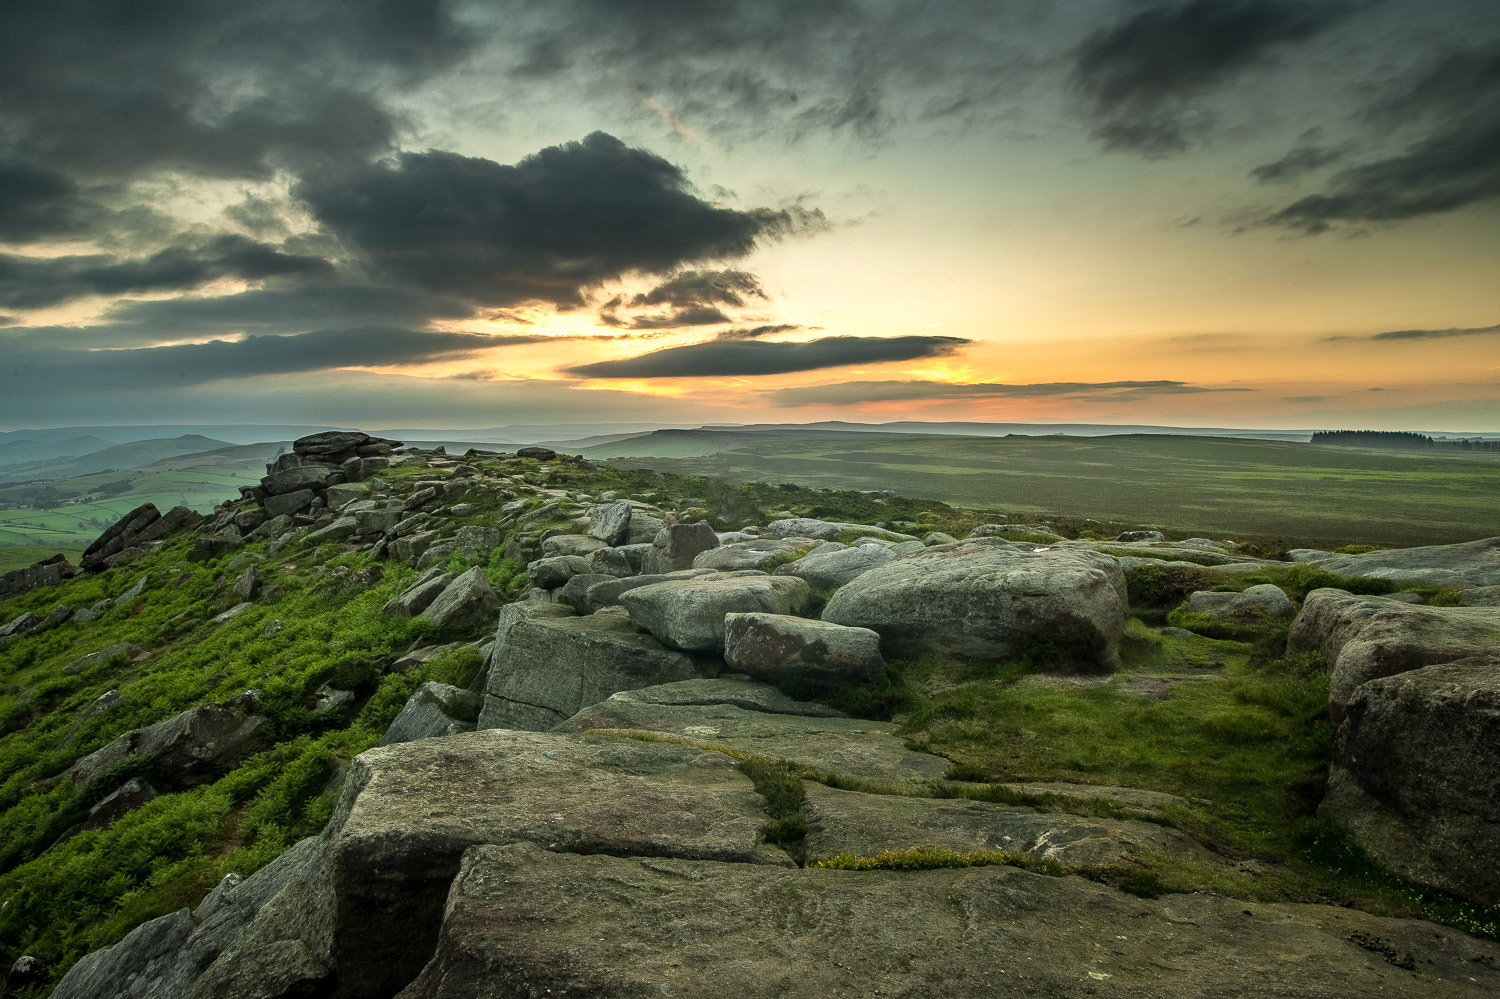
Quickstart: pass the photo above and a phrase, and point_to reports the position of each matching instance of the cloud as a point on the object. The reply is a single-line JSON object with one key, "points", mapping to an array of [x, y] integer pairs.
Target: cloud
{"points": [[33, 282], [560, 221], [1298, 161], [853, 393], [34, 366], [96, 90], [1138, 75], [1453, 164], [1415, 335], [298, 308], [744, 70], [693, 298], [757, 357], [755, 332], [1305, 398]]}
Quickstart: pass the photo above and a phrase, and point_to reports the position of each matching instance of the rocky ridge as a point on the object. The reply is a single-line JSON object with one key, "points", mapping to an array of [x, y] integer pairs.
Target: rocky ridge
{"points": [[604, 741]]}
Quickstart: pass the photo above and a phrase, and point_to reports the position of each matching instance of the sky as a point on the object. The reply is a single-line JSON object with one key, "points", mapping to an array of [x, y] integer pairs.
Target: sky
{"points": [[417, 213]]}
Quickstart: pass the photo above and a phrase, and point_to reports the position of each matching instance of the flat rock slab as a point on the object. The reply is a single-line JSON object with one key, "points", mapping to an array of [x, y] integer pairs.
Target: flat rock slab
{"points": [[734, 690], [524, 922], [689, 613], [368, 921], [868, 750], [868, 825], [1473, 563]]}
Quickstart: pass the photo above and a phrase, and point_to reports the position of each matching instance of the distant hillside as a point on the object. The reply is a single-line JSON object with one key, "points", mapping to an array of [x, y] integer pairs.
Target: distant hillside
{"points": [[31, 452], [120, 456], [71, 512]]}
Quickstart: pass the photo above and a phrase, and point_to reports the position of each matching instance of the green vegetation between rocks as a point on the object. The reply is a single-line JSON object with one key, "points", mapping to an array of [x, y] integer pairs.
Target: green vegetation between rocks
{"points": [[1212, 713]]}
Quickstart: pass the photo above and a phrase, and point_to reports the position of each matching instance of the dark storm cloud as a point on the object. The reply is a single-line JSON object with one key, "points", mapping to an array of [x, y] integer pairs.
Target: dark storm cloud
{"points": [[33, 282], [36, 203], [703, 288], [1138, 75], [34, 366], [103, 90], [1298, 161], [561, 220], [1415, 335], [755, 332], [276, 310], [852, 393], [1455, 162], [787, 68], [758, 357], [693, 315]]}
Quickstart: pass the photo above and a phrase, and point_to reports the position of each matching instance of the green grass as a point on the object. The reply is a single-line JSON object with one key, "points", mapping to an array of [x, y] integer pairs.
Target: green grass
{"points": [[1226, 487]]}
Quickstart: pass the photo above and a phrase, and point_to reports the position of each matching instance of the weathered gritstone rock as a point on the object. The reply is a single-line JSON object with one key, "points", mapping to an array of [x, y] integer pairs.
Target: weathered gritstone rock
{"points": [[525, 921], [117, 651], [467, 601], [369, 920], [1267, 599], [868, 750], [434, 710], [422, 592], [611, 522], [990, 600], [866, 825], [548, 667], [1474, 563], [754, 554], [550, 573], [161, 959], [825, 530], [733, 689], [183, 750], [689, 613], [1366, 638], [824, 570], [676, 546], [778, 647], [120, 535], [47, 572], [1416, 775]]}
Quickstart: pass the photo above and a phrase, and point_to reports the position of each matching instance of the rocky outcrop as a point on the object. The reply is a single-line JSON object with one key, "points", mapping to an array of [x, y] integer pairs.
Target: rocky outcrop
{"points": [[829, 569], [753, 554], [163, 958], [777, 647], [1264, 600], [434, 710], [1474, 563], [119, 536], [1416, 775], [611, 522], [47, 572], [466, 602], [1366, 638], [369, 919], [182, 751], [689, 613], [992, 600], [677, 545], [548, 667]]}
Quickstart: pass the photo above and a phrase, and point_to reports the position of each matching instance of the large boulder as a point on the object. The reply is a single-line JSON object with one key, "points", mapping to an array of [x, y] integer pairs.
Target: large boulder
{"points": [[549, 667], [466, 602], [754, 554], [434, 710], [120, 535], [1473, 563], [420, 594], [47, 572], [831, 569], [181, 751], [1416, 775], [611, 522], [163, 958], [370, 917], [677, 546], [1365, 638], [689, 613], [986, 599], [777, 647], [1265, 600]]}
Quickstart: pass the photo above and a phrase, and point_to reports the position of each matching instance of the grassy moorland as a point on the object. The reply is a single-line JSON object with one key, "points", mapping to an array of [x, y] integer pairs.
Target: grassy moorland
{"points": [[70, 513], [1214, 713], [1314, 493]]}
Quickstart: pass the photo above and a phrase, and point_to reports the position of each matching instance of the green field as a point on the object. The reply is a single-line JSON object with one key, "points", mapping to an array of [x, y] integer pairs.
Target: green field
{"points": [[1203, 485], [197, 481]]}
